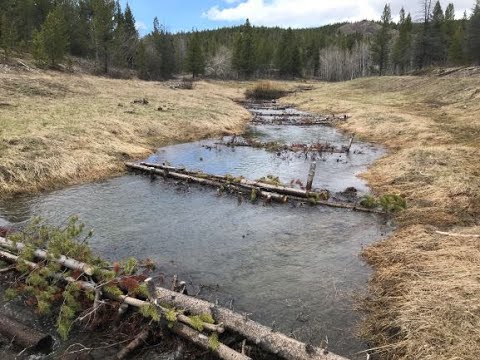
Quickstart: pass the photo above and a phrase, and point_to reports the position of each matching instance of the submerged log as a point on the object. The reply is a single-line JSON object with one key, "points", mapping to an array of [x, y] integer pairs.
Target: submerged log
{"points": [[41, 254], [24, 336], [278, 193], [263, 336], [241, 181]]}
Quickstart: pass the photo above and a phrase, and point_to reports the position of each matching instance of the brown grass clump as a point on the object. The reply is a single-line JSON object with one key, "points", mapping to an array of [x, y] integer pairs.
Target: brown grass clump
{"points": [[425, 291], [59, 129], [265, 90]]}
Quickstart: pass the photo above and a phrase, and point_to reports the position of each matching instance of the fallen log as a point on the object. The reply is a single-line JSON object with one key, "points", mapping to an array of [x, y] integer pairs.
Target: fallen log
{"points": [[24, 336], [224, 352], [134, 344], [280, 194], [263, 336], [218, 182], [199, 339], [41, 254], [241, 181]]}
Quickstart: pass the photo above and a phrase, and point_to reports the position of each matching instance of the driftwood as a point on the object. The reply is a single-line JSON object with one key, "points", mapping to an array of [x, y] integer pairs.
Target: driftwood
{"points": [[134, 344], [199, 339], [311, 175], [25, 336], [263, 336], [41, 254], [241, 181], [137, 303], [260, 335], [280, 194]]}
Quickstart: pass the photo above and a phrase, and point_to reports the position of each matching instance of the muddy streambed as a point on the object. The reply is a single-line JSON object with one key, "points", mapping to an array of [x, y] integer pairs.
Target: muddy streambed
{"points": [[293, 267]]}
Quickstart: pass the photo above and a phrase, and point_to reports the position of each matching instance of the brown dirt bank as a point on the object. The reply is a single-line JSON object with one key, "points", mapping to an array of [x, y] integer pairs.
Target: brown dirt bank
{"points": [[424, 298], [57, 129]]}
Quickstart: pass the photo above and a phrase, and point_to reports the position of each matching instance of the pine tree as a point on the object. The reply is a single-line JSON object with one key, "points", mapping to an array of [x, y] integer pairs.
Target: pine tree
{"points": [[437, 38], [244, 55], [7, 36], [456, 50], [130, 40], [195, 61], [422, 55], [102, 28], [402, 49], [381, 43], [51, 43], [474, 34], [288, 55]]}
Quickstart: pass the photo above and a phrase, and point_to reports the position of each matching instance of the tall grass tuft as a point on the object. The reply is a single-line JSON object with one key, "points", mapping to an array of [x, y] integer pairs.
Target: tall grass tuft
{"points": [[265, 90]]}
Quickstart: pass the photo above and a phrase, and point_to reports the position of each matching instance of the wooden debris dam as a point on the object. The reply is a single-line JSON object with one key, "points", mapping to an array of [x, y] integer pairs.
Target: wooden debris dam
{"points": [[167, 304], [242, 186]]}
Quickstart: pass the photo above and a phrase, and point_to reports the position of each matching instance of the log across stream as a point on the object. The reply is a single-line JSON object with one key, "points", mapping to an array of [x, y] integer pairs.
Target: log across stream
{"points": [[291, 269]]}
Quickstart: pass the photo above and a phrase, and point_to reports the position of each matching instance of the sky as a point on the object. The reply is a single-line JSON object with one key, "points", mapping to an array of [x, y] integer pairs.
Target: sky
{"points": [[185, 15]]}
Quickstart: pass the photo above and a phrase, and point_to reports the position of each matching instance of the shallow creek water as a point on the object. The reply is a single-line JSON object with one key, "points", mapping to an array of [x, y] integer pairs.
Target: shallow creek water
{"points": [[292, 267]]}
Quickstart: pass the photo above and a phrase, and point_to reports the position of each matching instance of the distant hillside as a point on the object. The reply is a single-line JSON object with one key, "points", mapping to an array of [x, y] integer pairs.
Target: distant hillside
{"points": [[364, 27]]}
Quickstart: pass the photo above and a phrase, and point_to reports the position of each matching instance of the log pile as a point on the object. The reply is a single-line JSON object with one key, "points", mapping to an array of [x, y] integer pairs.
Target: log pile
{"points": [[184, 307], [320, 148], [240, 185], [295, 119]]}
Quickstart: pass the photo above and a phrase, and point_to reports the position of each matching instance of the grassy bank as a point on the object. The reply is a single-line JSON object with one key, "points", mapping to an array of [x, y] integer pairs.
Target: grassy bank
{"points": [[58, 129], [424, 298]]}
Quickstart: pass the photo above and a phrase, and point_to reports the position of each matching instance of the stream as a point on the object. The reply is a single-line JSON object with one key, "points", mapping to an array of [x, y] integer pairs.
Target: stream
{"points": [[294, 267]]}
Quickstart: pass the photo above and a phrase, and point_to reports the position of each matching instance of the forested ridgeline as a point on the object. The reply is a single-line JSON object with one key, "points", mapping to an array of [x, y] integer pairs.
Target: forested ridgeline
{"points": [[100, 30]]}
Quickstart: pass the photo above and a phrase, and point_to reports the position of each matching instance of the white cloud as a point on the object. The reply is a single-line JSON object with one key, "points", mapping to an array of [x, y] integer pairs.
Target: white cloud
{"points": [[141, 26], [307, 13]]}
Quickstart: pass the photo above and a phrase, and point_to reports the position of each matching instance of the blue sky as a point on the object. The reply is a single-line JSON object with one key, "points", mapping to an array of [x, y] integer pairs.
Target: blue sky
{"points": [[178, 15]]}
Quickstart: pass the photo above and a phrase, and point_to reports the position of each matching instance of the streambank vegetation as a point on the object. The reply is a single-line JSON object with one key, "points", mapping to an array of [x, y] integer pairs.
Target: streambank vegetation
{"points": [[423, 299], [58, 128]]}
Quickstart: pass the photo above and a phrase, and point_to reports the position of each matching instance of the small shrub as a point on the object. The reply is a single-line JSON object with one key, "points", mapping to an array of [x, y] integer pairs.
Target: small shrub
{"points": [[265, 90], [186, 84], [369, 202], [392, 203]]}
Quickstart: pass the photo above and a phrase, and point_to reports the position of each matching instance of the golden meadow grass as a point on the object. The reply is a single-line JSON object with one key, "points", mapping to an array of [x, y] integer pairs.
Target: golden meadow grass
{"points": [[58, 129], [424, 296]]}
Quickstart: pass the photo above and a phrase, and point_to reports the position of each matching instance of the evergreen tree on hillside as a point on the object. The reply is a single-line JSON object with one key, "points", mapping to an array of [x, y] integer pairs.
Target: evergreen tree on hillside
{"points": [[7, 35], [422, 45], [244, 55], [457, 47], [51, 43], [437, 36], [195, 61], [288, 55], [102, 29], [381, 42], [474, 34], [125, 37], [402, 49]]}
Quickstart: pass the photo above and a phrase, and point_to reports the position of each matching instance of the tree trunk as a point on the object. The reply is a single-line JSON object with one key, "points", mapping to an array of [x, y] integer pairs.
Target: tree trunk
{"points": [[25, 336], [263, 336]]}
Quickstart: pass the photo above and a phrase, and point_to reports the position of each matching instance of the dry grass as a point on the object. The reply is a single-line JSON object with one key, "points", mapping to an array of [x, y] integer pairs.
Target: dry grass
{"points": [[265, 90], [425, 292], [58, 129]]}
